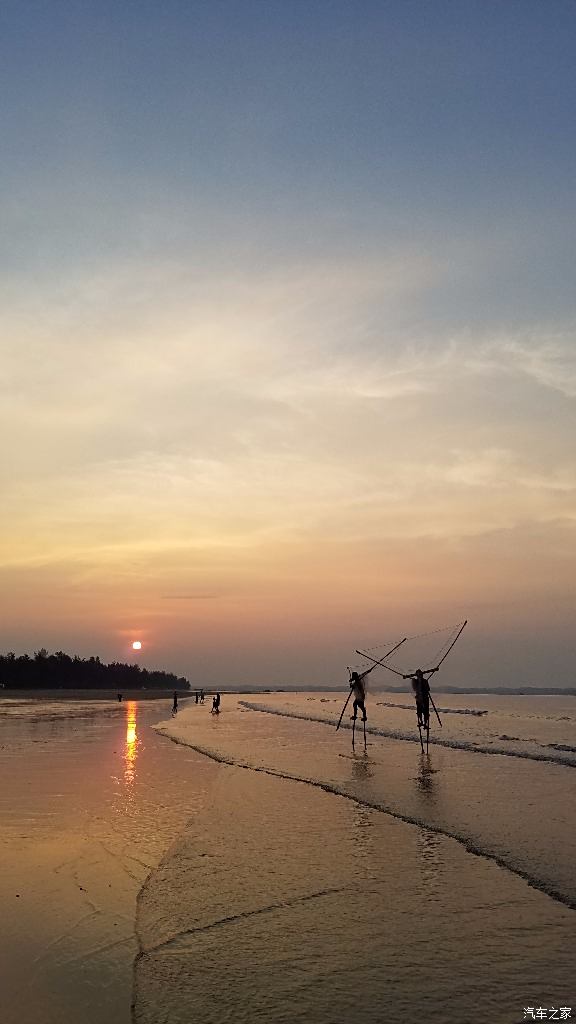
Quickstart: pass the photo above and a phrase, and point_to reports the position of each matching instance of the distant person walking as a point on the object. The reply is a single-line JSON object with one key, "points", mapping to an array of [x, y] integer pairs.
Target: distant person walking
{"points": [[201, 696], [216, 704], [119, 698], [175, 704]]}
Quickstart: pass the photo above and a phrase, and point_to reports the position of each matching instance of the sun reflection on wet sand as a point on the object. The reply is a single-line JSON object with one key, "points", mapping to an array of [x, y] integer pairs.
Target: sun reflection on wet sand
{"points": [[131, 748]]}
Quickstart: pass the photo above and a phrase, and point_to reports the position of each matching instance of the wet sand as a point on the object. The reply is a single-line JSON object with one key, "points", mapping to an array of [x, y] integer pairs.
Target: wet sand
{"points": [[283, 904], [95, 799], [134, 869]]}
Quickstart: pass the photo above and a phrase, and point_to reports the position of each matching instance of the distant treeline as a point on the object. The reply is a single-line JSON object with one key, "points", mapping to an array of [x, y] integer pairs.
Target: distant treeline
{"points": [[59, 670]]}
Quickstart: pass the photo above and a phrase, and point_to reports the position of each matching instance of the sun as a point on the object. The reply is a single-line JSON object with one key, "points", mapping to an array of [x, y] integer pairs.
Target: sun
{"points": [[136, 645]]}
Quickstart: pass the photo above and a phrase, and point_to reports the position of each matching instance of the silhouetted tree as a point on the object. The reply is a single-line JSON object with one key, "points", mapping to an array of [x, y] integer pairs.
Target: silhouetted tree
{"points": [[60, 671]]}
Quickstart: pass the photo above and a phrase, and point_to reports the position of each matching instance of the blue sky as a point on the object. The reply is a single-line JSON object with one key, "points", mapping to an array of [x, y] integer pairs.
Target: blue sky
{"points": [[288, 295]]}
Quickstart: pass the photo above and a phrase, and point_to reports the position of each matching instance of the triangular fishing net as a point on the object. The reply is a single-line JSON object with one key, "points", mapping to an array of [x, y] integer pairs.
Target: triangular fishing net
{"points": [[424, 650]]}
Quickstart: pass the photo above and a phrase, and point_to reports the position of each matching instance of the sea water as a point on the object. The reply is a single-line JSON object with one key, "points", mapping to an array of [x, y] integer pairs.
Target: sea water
{"points": [[260, 869], [91, 798], [334, 884]]}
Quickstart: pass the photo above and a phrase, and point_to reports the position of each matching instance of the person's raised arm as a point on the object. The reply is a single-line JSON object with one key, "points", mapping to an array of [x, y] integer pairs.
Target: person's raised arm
{"points": [[368, 671]]}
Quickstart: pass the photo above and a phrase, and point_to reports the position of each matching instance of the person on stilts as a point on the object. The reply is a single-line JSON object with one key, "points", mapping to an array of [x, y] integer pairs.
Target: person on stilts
{"points": [[358, 688], [421, 688], [420, 683]]}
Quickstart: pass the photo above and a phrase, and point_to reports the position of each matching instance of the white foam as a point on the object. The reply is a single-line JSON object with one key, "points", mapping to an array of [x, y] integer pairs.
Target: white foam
{"points": [[544, 754]]}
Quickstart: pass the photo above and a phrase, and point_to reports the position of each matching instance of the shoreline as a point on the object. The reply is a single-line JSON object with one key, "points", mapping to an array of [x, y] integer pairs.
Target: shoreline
{"points": [[228, 875], [77, 693], [448, 794], [285, 936], [95, 802]]}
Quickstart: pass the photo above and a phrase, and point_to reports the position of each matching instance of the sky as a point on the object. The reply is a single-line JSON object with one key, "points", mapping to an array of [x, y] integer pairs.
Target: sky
{"points": [[288, 360]]}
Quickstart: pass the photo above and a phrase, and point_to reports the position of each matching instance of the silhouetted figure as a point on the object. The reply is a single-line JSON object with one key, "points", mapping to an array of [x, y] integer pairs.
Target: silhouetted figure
{"points": [[421, 689], [175, 704], [216, 704], [196, 696], [201, 696], [119, 698], [359, 690]]}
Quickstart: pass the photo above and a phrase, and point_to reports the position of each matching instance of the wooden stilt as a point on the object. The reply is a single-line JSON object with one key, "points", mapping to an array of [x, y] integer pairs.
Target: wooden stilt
{"points": [[364, 724], [420, 734], [353, 731]]}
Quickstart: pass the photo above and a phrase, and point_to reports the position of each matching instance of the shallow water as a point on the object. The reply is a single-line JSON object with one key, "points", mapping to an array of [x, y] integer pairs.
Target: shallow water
{"points": [[134, 868], [531, 728], [314, 905], [519, 811], [331, 912], [91, 800]]}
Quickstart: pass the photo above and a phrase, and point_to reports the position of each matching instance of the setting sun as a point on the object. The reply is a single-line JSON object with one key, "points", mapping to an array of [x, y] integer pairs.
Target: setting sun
{"points": [[136, 646]]}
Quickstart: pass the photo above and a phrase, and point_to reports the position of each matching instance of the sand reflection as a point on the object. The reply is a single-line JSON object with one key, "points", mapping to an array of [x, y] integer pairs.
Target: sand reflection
{"points": [[425, 781], [131, 747], [430, 847], [361, 768]]}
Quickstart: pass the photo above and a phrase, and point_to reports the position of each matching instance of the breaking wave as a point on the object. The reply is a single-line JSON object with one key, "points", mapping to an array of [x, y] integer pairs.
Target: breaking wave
{"points": [[565, 756], [473, 844], [445, 711]]}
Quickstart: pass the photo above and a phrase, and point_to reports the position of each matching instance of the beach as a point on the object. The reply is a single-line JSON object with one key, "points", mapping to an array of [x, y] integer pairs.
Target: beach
{"points": [[94, 799], [251, 866]]}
